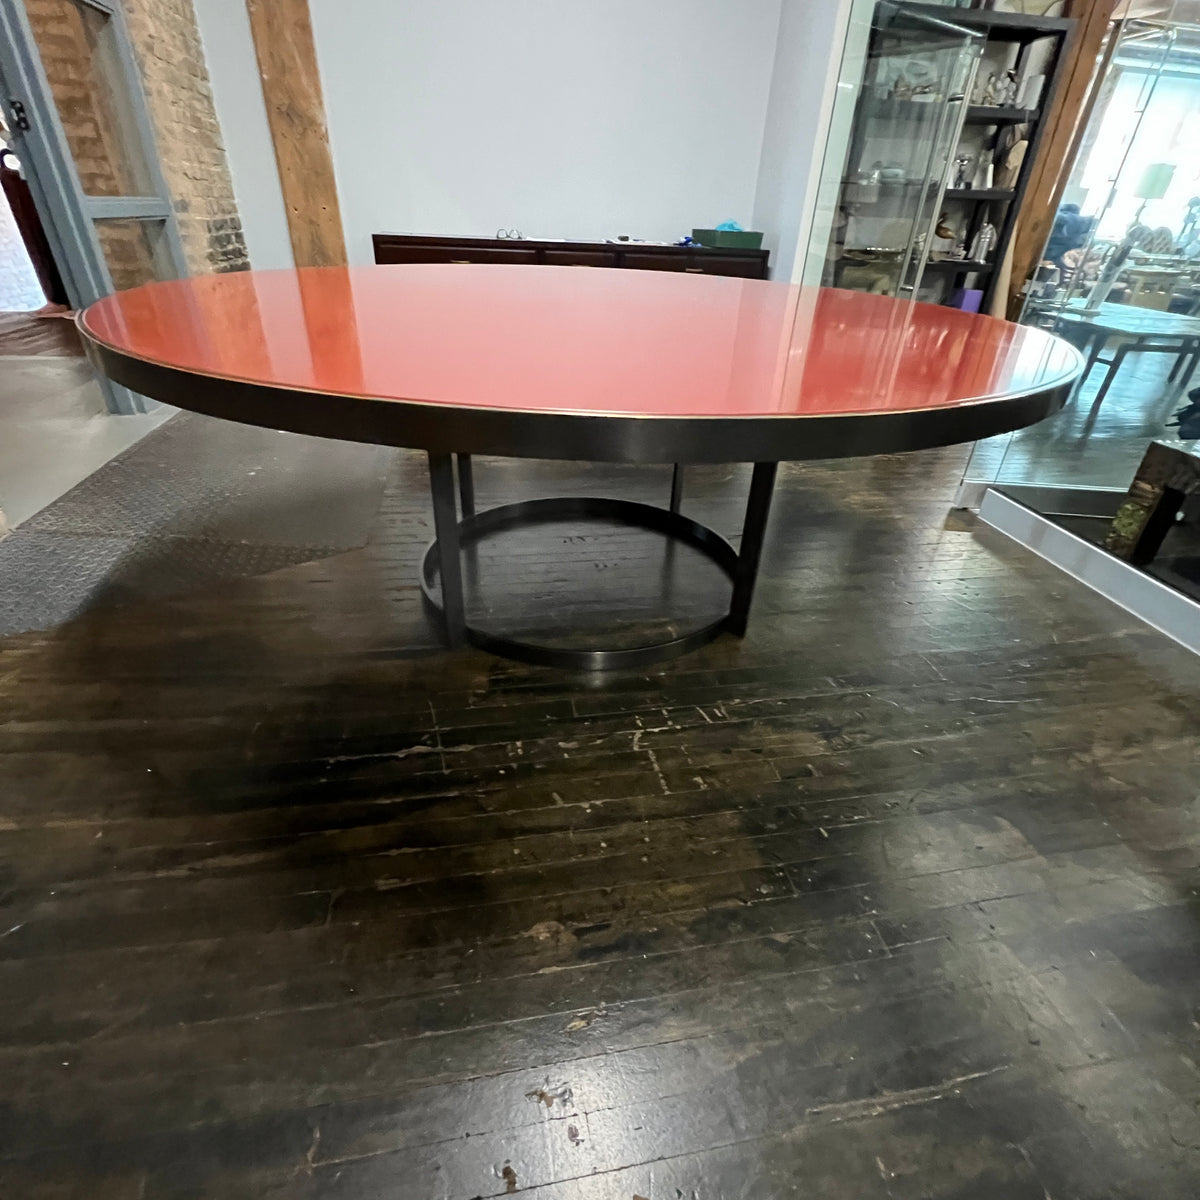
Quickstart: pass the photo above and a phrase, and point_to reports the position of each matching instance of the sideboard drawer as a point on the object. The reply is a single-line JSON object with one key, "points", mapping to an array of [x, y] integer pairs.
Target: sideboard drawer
{"points": [[453, 254], [579, 258], [722, 264], [650, 260]]}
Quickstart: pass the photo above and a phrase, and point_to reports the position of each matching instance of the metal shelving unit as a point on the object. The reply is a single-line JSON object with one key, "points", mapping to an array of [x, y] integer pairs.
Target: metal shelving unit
{"points": [[1028, 34]]}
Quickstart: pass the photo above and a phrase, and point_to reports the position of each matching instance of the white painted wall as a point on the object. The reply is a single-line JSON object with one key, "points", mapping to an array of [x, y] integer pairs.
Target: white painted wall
{"points": [[808, 56], [237, 95], [562, 118]]}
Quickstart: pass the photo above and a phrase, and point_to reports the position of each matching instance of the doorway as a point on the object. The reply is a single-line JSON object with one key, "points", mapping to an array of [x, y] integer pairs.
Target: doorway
{"points": [[77, 120], [71, 99], [21, 290], [35, 310]]}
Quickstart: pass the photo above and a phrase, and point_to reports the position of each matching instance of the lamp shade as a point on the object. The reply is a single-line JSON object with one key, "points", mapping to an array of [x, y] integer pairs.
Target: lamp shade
{"points": [[1154, 180]]}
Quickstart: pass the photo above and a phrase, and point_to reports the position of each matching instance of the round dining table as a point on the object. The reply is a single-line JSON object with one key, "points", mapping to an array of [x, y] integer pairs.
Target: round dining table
{"points": [[580, 364]]}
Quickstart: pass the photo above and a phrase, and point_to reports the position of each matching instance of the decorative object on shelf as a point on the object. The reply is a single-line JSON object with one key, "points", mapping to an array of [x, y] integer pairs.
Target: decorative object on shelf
{"points": [[914, 79], [962, 177], [985, 239], [967, 299], [945, 238], [864, 189], [999, 90], [986, 96], [984, 176], [1011, 160]]}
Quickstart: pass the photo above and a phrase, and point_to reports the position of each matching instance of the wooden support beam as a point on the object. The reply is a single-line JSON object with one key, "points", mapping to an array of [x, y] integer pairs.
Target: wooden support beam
{"points": [[291, 84], [1066, 122]]}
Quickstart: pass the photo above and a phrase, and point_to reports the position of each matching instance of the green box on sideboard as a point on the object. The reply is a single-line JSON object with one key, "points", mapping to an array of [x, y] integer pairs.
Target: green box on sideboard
{"points": [[743, 239]]}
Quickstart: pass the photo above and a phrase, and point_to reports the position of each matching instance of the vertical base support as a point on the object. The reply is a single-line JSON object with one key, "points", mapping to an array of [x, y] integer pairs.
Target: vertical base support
{"points": [[758, 509], [676, 487], [445, 524], [466, 485]]}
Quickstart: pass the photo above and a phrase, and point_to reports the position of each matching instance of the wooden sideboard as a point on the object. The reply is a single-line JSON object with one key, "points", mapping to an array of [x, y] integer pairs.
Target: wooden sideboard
{"points": [[697, 260]]}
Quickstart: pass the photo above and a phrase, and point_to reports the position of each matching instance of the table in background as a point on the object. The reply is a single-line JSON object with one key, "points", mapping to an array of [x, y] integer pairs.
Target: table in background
{"points": [[1142, 330]]}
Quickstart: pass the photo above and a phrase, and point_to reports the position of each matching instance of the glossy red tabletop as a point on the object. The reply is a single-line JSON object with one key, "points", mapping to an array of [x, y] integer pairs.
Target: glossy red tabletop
{"points": [[565, 339]]}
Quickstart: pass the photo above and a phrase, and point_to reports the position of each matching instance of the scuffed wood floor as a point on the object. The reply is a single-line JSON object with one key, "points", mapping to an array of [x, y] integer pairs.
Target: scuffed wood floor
{"points": [[23, 334], [895, 898]]}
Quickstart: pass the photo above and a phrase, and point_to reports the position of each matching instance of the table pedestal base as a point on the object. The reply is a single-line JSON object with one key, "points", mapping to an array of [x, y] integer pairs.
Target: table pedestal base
{"points": [[442, 558]]}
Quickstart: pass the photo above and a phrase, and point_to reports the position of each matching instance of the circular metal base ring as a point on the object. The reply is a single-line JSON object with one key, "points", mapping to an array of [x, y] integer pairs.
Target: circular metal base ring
{"points": [[624, 512]]}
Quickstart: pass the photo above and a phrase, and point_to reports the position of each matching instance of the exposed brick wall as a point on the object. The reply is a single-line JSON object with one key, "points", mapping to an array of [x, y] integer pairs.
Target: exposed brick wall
{"points": [[167, 43], [169, 52], [84, 105]]}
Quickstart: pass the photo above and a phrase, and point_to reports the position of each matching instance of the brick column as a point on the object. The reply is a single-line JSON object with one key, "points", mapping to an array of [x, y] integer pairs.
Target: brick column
{"points": [[175, 79]]}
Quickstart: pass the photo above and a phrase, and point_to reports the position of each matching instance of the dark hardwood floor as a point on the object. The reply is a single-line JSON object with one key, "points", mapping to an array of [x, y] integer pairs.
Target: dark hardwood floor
{"points": [[898, 897]]}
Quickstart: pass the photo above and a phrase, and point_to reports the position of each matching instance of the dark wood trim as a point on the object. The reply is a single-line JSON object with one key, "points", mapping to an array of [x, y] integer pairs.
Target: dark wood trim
{"points": [[702, 260], [291, 84]]}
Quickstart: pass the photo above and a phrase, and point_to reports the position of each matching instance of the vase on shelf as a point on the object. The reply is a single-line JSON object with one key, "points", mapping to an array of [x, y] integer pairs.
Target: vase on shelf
{"points": [[985, 239]]}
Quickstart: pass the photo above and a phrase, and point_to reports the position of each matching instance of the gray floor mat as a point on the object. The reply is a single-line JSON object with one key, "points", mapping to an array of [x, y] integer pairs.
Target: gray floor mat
{"points": [[197, 502]]}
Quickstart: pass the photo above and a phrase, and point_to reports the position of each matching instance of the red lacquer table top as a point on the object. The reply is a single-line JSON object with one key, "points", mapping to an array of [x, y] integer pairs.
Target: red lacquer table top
{"points": [[392, 353]]}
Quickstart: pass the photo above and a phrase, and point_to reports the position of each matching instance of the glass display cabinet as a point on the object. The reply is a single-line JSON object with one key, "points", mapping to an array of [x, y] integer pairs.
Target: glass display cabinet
{"points": [[919, 70], [936, 127]]}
